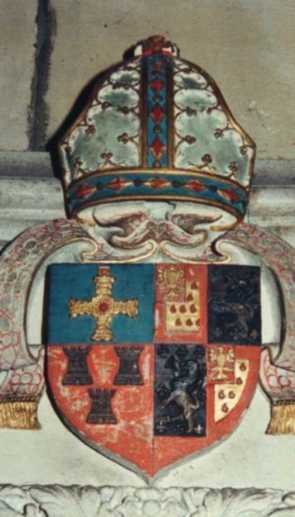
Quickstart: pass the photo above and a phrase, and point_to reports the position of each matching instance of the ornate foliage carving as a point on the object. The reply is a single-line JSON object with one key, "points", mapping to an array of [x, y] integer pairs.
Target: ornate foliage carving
{"points": [[88, 501]]}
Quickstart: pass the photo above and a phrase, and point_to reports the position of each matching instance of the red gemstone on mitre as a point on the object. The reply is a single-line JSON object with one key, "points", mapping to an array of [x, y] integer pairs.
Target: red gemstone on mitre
{"points": [[84, 191], [157, 85], [117, 184], [229, 194], [157, 114], [158, 183], [158, 148], [195, 185]]}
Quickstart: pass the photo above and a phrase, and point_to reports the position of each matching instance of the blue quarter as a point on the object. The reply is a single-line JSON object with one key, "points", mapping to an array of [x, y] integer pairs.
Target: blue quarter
{"points": [[66, 281]]}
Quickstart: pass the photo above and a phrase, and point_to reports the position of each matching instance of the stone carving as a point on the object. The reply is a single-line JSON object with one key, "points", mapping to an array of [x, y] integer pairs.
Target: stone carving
{"points": [[180, 231], [197, 172], [82, 501]]}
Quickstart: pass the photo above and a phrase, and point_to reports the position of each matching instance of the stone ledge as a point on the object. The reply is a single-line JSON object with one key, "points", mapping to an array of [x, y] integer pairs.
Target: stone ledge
{"points": [[269, 173], [272, 206], [28, 200], [33, 164]]}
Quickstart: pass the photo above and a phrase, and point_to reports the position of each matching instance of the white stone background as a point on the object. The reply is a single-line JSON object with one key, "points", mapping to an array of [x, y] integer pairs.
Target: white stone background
{"points": [[48, 51]]}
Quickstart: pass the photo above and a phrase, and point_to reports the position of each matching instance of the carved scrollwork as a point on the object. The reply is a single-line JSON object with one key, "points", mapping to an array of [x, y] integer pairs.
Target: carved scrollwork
{"points": [[137, 232]]}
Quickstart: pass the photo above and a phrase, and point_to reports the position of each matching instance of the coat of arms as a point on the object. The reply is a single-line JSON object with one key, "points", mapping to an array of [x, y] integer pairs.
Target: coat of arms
{"points": [[151, 363], [157, 296]]}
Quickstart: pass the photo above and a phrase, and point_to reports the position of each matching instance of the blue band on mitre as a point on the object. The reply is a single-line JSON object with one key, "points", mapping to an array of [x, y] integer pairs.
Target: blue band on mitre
{"points": [[149, 185]]}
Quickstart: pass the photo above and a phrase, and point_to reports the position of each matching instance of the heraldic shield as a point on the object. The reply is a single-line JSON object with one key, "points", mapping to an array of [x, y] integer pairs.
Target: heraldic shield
{"points": [[151, 363]]}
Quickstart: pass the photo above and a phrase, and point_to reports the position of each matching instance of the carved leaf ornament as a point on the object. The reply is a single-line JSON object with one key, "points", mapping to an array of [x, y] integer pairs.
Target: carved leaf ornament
{"points": [[87, 501]]}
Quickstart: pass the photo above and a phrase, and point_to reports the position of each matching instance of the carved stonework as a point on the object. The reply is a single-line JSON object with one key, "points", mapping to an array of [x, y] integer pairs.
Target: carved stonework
{"points": [[82, 501], [159, 308]]}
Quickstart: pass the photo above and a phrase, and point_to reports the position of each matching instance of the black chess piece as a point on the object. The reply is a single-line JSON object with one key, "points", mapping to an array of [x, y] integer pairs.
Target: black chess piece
{"points": [[101, 411], [77, 370]]}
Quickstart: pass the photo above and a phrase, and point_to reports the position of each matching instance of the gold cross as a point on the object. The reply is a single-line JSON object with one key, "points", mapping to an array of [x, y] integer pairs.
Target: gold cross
{"points": [[102, 307]]}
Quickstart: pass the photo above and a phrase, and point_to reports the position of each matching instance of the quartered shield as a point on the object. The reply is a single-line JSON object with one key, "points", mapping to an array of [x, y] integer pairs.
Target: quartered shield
{"points": [[151, 363]]}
